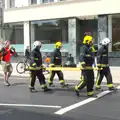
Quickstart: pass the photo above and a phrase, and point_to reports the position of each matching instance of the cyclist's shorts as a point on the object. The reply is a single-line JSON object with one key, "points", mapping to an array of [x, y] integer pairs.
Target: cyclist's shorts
{"points": [[7, 67]]}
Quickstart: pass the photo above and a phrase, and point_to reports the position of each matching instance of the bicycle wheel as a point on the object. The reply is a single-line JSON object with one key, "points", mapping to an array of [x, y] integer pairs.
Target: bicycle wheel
{"points": [[20, 67]]}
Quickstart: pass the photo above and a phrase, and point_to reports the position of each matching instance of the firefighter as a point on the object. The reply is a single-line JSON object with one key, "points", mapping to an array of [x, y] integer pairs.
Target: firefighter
{"points": [[102, 62], [36, 68], [94, 51], [86, 60], [6, 52], [57, 62]]}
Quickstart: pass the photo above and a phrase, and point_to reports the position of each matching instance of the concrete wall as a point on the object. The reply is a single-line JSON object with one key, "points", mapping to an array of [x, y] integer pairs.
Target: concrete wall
{"points": [[75, 8]]}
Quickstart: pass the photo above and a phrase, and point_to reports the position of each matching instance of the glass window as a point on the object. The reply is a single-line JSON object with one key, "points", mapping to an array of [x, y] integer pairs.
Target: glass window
{"points": [[89, 27], [51, 31], [33, 1], [116, 32], [14, 33], [47, 1]]}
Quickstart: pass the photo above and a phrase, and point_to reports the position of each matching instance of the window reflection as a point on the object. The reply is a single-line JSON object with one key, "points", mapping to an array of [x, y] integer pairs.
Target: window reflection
{"points": [[51, 31], [116, 32], [33, 1], [14, 33], [47, 1]]}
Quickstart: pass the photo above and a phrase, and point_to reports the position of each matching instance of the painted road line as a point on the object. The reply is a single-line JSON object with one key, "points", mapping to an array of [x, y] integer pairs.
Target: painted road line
{"points": [[71, 107], [29, 105], [76, 105]]}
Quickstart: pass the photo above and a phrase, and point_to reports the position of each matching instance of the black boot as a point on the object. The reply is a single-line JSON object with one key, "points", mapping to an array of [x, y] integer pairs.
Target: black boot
{"points": [[98, 88], [51, 85], [32, 90], [47, 89], [112, 88], [63, 85], [77, 92]]}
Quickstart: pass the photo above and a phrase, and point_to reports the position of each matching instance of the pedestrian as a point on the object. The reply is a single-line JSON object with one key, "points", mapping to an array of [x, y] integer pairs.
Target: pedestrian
{"points": [[6, 52], [27, 52]]}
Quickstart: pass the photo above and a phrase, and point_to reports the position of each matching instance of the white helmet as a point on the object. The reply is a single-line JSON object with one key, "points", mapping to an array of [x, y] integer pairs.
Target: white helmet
{"points": [[105, 41], [37, 44]]}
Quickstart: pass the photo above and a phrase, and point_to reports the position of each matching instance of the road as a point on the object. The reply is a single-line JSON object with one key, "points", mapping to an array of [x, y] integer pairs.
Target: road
{"points": [[16, 103]]}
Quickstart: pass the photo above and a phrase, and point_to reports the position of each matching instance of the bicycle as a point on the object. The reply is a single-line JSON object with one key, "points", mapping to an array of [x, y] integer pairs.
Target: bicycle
{"points": [[23, 66]]}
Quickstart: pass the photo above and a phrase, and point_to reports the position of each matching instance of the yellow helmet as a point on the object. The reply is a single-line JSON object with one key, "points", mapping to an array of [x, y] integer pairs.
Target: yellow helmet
{"points": [[58, 44], [87, 39]]}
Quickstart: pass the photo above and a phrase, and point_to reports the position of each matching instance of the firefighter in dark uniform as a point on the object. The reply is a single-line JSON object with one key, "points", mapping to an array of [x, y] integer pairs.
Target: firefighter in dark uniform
{"points": [[102, 62], [86, 60], [92, 47], [57, 62], [36, 68]]}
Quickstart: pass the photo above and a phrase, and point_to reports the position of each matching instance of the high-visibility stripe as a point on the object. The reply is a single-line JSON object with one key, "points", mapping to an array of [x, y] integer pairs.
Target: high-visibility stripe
{"points": [[82, 63], [97, 80], [49, 80], [62, 81], [103, 65], [78, 86], [87, 55], [110, 85], [33, 68], [33, 64], [36, 59], [43, 86], [90, 93], [104, 55]]}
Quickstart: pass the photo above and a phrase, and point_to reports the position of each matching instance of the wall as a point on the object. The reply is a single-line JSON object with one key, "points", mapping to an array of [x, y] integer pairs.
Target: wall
{"points": [[75, 8], [21, 3]]}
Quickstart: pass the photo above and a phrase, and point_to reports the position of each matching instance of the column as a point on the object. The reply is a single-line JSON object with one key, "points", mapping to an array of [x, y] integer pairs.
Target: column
{"points": [[102, 27], [7, 4], [32, 34], [110, 31], [29, 2], [72, 37], [26, 34], [78, 40]]}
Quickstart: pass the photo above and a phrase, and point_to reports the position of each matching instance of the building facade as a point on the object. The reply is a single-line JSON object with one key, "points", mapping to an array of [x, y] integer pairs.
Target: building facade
{"points": [[62, 20]]}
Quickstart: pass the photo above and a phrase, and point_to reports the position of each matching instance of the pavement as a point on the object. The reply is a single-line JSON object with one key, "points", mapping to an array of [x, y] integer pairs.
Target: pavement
{"points": [[17, 102]]}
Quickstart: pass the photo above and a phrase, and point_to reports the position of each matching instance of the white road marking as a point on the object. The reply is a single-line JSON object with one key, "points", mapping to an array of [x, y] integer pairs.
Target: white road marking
{"points": [[71, 107], [76, 105], [19, 77], [29, 105]]}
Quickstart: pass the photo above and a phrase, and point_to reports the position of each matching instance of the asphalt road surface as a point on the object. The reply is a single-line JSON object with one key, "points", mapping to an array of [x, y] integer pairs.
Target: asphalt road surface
{"points": [[17, 103]]}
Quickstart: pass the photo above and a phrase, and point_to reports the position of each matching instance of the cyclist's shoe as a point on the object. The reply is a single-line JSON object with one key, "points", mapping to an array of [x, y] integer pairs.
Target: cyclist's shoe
{"points": [[6, 83]]}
